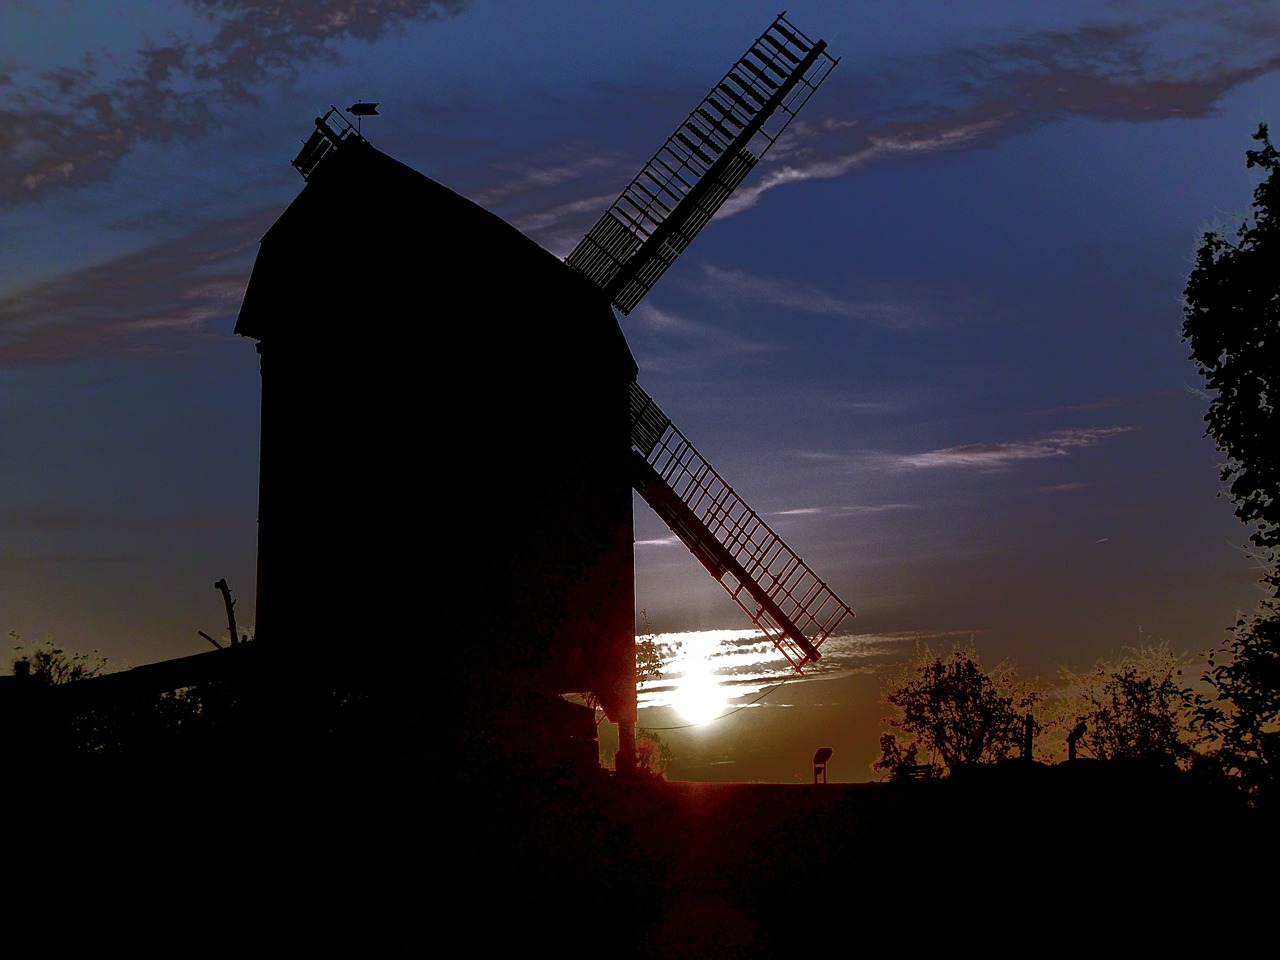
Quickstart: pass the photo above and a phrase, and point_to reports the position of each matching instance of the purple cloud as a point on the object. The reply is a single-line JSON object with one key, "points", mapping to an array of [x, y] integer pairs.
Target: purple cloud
{"points": [[74, 123], [137, 301]]}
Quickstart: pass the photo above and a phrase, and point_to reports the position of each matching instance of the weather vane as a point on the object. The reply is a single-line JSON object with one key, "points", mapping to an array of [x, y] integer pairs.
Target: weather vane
{"points": [[361, 109]]}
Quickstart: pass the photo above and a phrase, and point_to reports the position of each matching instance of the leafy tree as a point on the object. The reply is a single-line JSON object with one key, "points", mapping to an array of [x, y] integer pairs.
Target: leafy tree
{"points": [[1244, 712], [1134, 709], [954, 710], [1232, 322]]}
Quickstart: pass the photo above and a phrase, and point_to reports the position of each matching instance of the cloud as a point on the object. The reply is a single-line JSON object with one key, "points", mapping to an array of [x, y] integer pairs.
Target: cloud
{"points": [[1179, 65], [69, 126], [898, 140], [565, 164], [879, 508], [130, 303], [720, 340], [659, 542], [746, 664], [963, 98], [888, 305], [957, 98], [999, 456], [1065, 487], [555, 226]]}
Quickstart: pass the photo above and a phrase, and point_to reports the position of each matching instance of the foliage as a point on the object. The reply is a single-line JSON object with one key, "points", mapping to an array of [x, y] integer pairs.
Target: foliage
{"points": [[896, 757], [50, 665], [1244, 712], [1135, 709], [123, 726], [649, 661], [955, 710], [1232, 322], [652, 755]]}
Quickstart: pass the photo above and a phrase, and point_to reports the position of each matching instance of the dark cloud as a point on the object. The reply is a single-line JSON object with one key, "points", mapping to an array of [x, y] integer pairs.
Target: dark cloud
{"points": [[74, 123], [136, 302]]}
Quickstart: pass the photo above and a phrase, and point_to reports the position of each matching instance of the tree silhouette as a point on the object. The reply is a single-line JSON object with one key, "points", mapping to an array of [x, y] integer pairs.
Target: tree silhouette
{"points": [[49, 664], [954, 710], [1232, 322], [1136, 708]]}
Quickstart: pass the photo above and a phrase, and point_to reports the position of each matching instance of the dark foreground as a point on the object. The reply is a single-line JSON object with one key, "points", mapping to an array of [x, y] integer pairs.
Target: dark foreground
{"points": [[378, 862]]}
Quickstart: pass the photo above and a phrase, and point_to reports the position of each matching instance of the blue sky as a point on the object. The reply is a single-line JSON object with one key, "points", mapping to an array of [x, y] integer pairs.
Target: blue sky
{"points": [[934, 338]]}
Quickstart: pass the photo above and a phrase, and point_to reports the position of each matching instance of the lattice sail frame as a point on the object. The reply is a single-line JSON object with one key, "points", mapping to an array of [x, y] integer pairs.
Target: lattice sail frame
{"points": [[678, 192], [779, 592]]}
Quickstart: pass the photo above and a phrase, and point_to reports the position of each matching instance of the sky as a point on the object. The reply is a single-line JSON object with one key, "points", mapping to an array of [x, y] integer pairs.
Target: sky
{"points": [[933, 339]]}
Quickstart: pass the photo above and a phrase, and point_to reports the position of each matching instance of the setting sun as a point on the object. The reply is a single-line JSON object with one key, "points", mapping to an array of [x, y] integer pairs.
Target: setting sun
{"points": [[698, 695]]}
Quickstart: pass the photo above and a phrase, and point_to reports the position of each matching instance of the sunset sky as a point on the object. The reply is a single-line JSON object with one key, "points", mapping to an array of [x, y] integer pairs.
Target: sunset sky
{"points": [[933, 339]]}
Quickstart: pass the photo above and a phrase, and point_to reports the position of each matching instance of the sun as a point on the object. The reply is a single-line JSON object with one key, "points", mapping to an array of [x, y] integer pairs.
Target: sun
{"points": [[698, 696]]}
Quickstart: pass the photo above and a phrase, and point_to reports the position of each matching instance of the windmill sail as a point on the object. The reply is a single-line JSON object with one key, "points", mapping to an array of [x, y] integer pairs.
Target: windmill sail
{"points": [[778, 590], [681, 188]]}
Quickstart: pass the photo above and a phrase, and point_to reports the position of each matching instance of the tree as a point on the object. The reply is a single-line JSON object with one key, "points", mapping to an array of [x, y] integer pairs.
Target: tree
{"points": [[122, 726], [954, 710], [1134, 709], [49, 664], [1232, 322], [1244, 712]]}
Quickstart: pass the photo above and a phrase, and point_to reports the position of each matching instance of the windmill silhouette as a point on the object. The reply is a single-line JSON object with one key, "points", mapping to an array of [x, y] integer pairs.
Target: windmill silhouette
{"points": [[469, 474]]}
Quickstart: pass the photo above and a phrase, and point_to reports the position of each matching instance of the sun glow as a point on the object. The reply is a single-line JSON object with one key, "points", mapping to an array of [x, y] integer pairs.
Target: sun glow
{"points": [[698, 695]]}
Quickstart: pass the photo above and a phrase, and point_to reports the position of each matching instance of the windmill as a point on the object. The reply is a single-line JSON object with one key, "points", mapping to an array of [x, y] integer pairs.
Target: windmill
{"points": [[471, 474]]}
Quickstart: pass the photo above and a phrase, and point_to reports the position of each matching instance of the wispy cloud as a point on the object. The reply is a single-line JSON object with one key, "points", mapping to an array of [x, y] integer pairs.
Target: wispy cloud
{"points": [[713, 338], [128, 303], [1000, 456], [567, 163], [894, 306], [879, 508], [745, 664], [969, 97], [960, 98], [69, 125], [898, 140], [659, 541], [1065, 487]]}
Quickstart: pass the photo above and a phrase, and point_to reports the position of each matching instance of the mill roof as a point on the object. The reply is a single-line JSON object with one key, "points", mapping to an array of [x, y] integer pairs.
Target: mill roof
{"points": [[373, 248]]}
